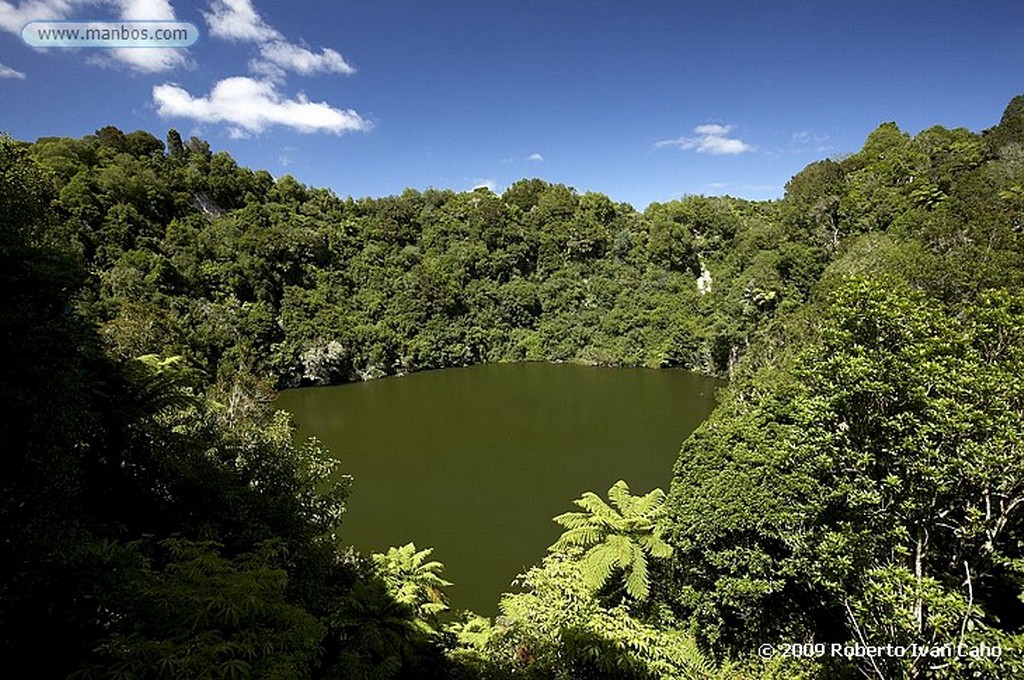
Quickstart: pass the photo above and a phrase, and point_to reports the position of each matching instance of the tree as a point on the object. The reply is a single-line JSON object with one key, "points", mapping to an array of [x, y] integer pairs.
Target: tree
{"points": [[373, 636], [191, 612], [1011, 126], [556, 629], [670, 242], [175, 146], [812, 201], [141, 144], [414, 581], [616, 538], [872, 478], [49, 413]]}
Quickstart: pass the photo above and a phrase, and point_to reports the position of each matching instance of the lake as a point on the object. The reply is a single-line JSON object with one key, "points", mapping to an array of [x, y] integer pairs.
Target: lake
{"points": [[475, 461]]}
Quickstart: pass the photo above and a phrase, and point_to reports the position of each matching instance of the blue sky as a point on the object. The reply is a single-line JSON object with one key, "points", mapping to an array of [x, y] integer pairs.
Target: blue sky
{"points": [[643, 101]]}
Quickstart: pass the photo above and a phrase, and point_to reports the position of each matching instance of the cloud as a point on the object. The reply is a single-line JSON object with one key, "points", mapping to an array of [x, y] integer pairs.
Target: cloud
{"points": [[488, 184], [710, 138], [251, 106], [145, 10], [278, 57], [535, 157], [8, 72], [286, 156], [149, 59], [809, 136], [13, 18], [712, 130], [809, 139], [238, 20]]}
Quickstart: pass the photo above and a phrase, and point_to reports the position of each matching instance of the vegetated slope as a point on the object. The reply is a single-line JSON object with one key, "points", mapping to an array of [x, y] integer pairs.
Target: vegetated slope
{"points": [[862, 481], [189, 254], [152, 525]]}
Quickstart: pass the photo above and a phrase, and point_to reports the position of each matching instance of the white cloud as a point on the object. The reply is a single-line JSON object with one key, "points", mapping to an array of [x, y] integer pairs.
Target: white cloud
{"points": [[810, 136], [286, 156], [808, 139], [8, 72], [149, 59], [488, 184], [238, 20], [13, 18], [535, 157], [712, 130], [711, 138], [145, 10], [279, 56], [251, 105]]}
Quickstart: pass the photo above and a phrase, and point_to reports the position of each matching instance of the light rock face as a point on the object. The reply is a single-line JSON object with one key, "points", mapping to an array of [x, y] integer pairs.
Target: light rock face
{"points": [[322, 363], [704, 280]]}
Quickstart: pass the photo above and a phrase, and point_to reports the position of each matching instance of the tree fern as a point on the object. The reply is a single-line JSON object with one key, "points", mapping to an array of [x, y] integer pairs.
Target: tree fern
{"points": [[159, 384], [414, 581], [615, 538]]}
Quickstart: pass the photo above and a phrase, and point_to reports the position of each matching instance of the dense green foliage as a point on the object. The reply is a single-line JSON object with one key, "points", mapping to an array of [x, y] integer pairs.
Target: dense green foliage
{"points": [[189, 254], [861, 483], [558, 628], [154, 525], [863, 480]]}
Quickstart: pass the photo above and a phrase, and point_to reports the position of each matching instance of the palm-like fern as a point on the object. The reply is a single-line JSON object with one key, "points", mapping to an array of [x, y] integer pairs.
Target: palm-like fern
{"points": [[616, 538], [412, 580], [159, 384]]}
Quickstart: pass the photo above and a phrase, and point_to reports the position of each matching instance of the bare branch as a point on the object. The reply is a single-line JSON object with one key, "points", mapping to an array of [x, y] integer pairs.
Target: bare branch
{"points": [[863, 641], [970, 602]]}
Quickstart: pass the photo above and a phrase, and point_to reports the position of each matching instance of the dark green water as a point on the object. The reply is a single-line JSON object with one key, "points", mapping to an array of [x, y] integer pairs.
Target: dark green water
{"points": [[476, 461]]}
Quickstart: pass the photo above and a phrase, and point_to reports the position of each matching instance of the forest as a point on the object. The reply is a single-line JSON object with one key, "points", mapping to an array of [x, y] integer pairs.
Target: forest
{"points": [[860, 485]]}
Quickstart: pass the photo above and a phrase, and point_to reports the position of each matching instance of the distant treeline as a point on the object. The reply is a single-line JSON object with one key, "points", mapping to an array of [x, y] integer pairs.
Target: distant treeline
{"points": [[189, 254]]}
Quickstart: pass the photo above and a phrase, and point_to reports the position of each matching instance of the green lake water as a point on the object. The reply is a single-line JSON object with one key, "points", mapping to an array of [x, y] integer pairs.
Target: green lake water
{"points": [[476, 461]]}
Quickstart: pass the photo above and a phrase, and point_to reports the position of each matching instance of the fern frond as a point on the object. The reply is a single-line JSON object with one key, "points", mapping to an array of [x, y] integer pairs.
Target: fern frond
{"points": [[600, 510], [687, 654], [649, 504], [655, 546], [620, 496], [433, 608], [432, 567], [573, 520], [432, 581], [597, 565], [622, 548], [583, 537], [422, 554], [637, 583]]}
